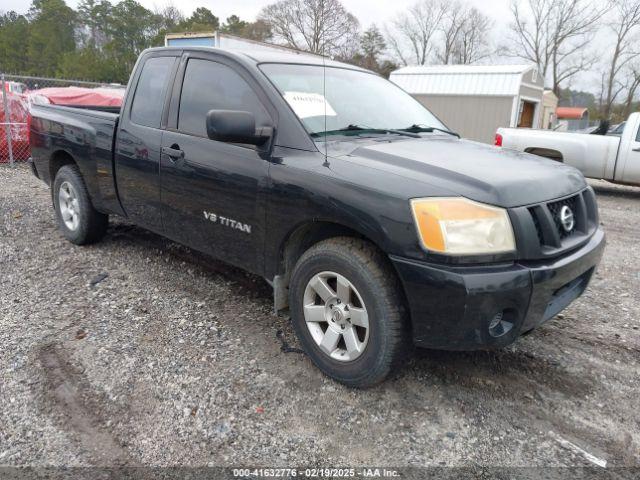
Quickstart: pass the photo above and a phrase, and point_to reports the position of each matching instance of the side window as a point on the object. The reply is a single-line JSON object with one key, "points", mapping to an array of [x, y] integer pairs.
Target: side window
{"points": [[148, 100], [638, 134], [210, 85]]}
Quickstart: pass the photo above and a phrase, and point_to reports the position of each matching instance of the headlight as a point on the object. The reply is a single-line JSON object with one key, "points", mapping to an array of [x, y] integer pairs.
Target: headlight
{"points": [[457, 226]]}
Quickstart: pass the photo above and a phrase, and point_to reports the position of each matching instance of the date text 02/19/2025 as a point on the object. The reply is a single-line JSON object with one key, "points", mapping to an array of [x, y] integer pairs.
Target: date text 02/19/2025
{"points": [[315, 472]]}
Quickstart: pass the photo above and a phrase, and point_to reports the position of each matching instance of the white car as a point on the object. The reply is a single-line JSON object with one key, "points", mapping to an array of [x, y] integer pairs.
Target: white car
{"points": [[609, 157]]}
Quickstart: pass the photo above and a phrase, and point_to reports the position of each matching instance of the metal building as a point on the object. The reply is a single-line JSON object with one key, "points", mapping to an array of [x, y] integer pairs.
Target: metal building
{"points": [[220, 40], [475, 100], [549, 118]]}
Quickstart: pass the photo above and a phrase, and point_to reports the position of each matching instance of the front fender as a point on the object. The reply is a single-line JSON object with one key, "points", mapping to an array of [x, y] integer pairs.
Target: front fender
{"points": [[307, 191]]}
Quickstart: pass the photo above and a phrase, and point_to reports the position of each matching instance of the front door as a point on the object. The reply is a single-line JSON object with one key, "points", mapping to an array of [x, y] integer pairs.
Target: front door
{"points": [[212, 191], [628, 170], [139, 135]]}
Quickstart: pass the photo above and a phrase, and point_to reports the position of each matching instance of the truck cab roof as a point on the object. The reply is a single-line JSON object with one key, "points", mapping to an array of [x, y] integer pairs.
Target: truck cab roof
{"points": [[258, 56]]}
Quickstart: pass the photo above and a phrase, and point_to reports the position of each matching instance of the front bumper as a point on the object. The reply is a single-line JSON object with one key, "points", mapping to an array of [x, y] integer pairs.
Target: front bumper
{"points": [[452, 308]]}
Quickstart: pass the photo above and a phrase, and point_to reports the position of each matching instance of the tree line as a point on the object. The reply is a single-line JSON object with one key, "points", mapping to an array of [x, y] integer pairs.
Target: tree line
{"points": [[101, 40]]}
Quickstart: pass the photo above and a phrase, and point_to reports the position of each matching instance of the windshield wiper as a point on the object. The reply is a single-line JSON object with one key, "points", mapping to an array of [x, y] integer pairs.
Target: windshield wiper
{"points": [[421, 128], [365, 129]]}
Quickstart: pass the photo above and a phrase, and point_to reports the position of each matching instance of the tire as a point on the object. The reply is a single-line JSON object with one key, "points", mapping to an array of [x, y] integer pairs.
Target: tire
{"points": [[363, 290], [78, 221]]}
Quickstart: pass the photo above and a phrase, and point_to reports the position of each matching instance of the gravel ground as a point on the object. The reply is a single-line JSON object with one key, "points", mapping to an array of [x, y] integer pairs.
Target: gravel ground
{"points": [[138, 351]]}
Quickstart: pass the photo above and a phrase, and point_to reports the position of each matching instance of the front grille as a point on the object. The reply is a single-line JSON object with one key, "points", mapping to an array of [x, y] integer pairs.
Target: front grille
{"points": [[540, 230], [556, 207]]}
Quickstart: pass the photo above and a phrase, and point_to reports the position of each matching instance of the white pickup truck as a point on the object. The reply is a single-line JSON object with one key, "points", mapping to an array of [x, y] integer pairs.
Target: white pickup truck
{"points": [[609, 157]]}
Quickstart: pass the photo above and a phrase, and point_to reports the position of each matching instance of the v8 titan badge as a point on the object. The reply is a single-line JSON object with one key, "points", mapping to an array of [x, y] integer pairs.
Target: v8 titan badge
{"points": [[227, 222]]}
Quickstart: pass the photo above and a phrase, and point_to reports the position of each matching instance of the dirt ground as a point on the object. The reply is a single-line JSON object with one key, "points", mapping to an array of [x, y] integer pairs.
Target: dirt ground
{"points": [[138, 351]]}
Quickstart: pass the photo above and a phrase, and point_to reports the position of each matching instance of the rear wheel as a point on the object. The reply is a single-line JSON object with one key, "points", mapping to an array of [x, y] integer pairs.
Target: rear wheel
{"points": [[348, 312], [79, 222]]}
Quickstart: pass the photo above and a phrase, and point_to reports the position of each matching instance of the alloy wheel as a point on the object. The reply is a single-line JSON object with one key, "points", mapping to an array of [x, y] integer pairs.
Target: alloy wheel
{"points": [[69, 206], [336, 316]]}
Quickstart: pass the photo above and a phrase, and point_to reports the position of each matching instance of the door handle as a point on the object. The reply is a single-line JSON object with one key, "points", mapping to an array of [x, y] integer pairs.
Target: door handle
{"points": [[173, 153], [636, 149]]}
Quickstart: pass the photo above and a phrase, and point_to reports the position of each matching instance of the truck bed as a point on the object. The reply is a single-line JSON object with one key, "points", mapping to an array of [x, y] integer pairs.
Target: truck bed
{"points": [[86, 134], [92, 111], [593, 155]]}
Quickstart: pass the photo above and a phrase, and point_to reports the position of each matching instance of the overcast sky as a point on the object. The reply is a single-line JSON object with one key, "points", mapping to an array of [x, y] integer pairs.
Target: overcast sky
{"points": [[367, 11]]}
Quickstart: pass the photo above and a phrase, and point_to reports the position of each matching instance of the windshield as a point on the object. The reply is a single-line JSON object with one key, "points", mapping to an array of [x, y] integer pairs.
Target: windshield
{"points": [[349, 98]]}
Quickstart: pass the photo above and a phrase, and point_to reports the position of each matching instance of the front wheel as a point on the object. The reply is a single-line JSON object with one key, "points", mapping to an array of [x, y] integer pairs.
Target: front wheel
{"points": [[348, 311]]}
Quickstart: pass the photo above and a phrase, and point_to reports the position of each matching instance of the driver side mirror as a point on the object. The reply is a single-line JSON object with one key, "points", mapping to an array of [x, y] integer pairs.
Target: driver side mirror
{"points": [[235, 126]]}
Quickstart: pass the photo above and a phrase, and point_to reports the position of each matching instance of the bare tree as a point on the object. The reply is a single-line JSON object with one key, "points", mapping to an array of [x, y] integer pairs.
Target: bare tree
{"points": [[632, 86], [554, 34], [169, 15], [625, 27], [450, 27], [411, 34], [573, 27], [448, 31], [317, 26], [472, 43], [528, 32]]}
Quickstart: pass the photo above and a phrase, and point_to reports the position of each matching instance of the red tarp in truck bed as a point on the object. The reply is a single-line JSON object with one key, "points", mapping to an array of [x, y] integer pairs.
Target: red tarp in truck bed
{"points": [[79, 96]]}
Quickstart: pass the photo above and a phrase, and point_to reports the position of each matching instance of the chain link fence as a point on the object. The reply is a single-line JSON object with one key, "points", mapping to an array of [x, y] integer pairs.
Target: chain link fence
{"points": [[19, 92]]}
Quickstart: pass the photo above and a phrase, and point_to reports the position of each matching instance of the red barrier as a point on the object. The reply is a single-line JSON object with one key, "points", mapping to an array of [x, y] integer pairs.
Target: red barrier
{"points": [[18, 107], [18, 111]]}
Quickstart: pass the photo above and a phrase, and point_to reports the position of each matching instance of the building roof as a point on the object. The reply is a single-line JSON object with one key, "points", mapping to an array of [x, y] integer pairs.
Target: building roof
{"points": [[462, 79], [463, 69], [228, 42], [571, 113]]}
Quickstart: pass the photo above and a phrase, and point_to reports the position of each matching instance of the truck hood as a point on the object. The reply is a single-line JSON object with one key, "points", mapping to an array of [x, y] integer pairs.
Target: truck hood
{"points": [[480, 172]]}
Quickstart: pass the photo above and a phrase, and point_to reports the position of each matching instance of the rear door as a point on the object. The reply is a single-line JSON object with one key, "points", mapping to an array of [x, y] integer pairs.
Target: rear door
{"points": [[212, 192], [138, 139]]}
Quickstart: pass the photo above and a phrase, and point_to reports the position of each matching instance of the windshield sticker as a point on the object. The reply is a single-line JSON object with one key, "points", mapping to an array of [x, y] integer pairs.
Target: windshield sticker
{"points": [[307, 105]]}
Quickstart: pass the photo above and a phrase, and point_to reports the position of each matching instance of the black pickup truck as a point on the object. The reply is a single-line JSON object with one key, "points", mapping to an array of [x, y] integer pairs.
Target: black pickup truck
{"points": [[377, 227]]}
